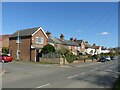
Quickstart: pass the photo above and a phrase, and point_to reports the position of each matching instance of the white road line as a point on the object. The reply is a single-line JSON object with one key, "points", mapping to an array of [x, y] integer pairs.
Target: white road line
{"points": [[76, 75], [72, 76], [92, 70], [82, 73], [96, 68], [110, 67], [86, 64], [43, 86], [2, 73], [108, 70]]}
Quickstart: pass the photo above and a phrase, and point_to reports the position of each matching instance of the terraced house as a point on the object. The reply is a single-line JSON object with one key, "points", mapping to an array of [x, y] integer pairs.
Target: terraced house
{"points": [[26, 44]]}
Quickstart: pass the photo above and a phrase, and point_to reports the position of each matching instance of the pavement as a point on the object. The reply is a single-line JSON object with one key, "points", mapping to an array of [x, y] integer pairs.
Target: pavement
{"points": [[77, 75]]}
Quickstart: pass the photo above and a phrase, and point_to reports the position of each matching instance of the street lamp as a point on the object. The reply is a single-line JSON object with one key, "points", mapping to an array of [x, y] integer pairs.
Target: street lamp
{"points": [[18, 46]]}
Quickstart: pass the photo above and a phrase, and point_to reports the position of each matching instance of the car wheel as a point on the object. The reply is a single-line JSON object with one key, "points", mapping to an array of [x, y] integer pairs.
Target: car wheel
{"points": [[3, 61]]}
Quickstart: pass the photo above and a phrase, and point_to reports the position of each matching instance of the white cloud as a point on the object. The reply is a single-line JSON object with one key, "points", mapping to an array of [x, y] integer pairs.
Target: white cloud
{"points": [[104, 33]]}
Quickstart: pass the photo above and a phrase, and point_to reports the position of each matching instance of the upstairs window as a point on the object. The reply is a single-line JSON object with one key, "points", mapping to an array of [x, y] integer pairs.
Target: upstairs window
{"points": [[39, 40]]}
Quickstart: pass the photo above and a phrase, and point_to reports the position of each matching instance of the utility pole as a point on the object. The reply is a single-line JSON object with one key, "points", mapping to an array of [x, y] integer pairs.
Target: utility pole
{"points": [[18, 43]]}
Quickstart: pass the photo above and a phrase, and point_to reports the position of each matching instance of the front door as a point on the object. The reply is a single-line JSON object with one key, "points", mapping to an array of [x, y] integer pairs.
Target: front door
{"points": [[37, 55]]}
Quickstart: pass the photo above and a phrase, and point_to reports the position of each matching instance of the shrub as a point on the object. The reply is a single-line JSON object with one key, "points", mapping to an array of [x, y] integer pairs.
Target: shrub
{"points": [[66, 53], [5, 50], [48, 49], [70, 57]]}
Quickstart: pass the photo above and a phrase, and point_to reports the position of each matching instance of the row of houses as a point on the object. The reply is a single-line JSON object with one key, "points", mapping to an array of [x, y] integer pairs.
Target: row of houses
{"points": [[26, 44]]}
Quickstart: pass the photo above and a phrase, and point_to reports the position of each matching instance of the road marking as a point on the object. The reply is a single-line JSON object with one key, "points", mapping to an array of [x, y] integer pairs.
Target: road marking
{"points": [[110, 67], [82, 73], [2, 73], [43, 86], [92, 70], [86, 64], [72, 76], [96, 68], [76, 75], [108, 70]]}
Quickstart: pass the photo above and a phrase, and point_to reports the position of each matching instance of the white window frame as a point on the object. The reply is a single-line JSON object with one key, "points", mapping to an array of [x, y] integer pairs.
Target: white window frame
{"points": [[42, 40]]}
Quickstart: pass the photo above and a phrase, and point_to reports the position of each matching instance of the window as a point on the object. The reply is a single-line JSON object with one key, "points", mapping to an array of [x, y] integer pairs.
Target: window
{"points": [[39, 40]]}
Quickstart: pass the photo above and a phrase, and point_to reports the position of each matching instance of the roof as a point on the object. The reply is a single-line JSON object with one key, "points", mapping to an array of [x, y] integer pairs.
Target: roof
{"points": [[88, 45], [27, 32], [53, 40], [79, 41], [68, 42], [95, 47], [2, 37]]}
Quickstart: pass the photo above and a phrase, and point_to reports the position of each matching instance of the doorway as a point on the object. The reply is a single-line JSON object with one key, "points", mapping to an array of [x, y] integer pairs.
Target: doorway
{"points": [[37, 55]]}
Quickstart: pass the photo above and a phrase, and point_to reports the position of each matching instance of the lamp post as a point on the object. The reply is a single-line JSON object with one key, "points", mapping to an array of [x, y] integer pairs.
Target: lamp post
{"points": [[18, 44]]}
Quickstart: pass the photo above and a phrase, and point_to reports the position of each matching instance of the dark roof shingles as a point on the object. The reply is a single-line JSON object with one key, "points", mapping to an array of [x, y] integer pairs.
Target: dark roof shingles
{"points": [[25, 32]]}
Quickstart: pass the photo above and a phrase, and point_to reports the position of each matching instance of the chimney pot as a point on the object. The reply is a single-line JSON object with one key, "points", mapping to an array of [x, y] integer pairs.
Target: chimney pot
{"points": [[62, 37]]}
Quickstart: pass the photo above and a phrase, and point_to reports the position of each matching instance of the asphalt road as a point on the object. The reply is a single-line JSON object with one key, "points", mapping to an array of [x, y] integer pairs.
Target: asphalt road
{"points": [[81, 75]]}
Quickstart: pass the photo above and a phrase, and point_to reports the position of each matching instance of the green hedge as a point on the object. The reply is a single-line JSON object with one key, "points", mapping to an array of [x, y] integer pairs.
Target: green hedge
{"points": [[70, 57], [117, 84]]}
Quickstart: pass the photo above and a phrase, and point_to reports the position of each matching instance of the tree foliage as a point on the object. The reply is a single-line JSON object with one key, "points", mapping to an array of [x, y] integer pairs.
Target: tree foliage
{"points": [[48, 49], [5, 50], [66, 53]]}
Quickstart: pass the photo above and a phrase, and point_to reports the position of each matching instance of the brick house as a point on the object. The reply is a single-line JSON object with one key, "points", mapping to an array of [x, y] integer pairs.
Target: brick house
{"points": [[69, 44], [82, 45], [28, 45], [60, 43], [4, 41], [97, 49]]}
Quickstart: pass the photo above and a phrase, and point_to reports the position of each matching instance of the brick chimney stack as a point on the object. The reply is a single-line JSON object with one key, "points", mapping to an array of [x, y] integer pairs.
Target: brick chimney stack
{"points": [[94, 44], [48, 34], [62, 37], [75, 39], [71, 39]]}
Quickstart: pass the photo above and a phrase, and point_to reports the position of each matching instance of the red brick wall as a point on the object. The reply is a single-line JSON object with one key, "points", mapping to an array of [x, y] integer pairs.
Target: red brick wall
{"points": [[33, 55], [5, 42], [39, 34], [24, 48]]}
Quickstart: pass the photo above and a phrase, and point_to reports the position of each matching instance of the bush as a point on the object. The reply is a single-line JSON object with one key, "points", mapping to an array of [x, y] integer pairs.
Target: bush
{"points": [[66, 53], [70, 57], [117, 84], [5, 50], [48, 49]]}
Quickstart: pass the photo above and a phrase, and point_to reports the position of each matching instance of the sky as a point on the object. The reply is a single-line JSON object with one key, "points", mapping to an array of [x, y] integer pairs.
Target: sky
{"points": [[95, 22]]}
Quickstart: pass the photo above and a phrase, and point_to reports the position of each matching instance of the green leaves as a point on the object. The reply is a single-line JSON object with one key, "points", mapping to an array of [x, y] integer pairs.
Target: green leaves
{"points": [[48, 49]]}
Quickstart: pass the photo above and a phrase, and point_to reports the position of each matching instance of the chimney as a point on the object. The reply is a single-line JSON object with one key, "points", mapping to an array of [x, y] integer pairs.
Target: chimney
{"points": [[86, 42], [94, 44], [71, 39], [48, 34], [75, 39], [62, 37]]}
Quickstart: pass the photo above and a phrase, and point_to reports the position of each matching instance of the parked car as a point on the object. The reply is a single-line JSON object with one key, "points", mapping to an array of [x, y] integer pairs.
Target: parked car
{"points": [[108, 58], [112, 58], [5, 58], [102, 59]]}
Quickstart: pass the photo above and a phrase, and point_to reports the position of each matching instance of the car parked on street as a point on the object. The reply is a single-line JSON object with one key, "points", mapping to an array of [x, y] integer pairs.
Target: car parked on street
{"points": [[112, 58], [108, 58], [5, 58], [102, 59]]}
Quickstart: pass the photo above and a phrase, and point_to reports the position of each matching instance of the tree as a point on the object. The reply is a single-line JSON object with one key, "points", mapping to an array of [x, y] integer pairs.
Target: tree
{"points": [[48, 49], [5, 50]]}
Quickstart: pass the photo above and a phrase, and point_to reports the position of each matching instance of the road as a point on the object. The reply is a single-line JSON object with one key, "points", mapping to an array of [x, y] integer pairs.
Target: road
{"points": [[81, 75]]}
